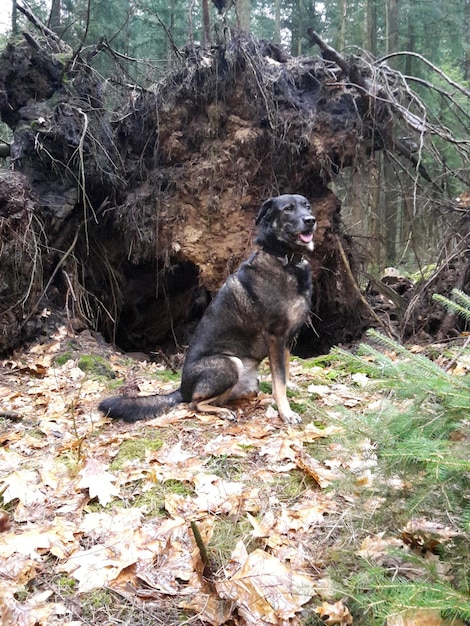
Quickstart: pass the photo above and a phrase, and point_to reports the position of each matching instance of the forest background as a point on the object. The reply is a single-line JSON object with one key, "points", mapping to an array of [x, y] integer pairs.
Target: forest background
{"points": [[398, 220]]}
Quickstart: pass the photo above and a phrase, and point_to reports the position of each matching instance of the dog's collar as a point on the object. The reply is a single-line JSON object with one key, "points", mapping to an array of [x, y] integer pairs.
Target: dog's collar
{"points": [[295, 258]]}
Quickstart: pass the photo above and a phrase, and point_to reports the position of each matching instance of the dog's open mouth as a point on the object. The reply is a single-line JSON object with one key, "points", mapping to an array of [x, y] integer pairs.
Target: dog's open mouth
{"points": [[305, 237]]}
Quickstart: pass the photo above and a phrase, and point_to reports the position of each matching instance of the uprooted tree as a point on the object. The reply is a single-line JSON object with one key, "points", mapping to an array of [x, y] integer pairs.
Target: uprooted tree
{"points": [[127, 206]]}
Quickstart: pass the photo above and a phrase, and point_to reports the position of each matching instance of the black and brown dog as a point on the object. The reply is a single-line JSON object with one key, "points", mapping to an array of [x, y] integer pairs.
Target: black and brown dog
{"points": [[256, 314]]}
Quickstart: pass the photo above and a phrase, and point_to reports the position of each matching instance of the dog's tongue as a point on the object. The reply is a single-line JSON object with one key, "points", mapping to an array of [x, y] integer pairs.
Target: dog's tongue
{"points": [[306, 237]]}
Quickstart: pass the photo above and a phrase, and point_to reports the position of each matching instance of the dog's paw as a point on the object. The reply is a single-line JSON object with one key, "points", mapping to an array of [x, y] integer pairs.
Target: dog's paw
{"points": [[291, 418]]}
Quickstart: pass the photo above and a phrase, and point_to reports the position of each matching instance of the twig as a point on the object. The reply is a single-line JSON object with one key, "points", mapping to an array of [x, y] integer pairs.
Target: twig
{"points": [[355, 286]]}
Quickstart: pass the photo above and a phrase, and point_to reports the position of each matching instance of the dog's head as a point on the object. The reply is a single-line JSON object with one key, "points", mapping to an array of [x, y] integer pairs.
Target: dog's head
{"points": [[286, 224]]}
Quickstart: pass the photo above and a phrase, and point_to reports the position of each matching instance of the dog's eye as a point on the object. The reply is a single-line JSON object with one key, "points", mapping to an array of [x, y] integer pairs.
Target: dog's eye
{"points": [[290, 207]]}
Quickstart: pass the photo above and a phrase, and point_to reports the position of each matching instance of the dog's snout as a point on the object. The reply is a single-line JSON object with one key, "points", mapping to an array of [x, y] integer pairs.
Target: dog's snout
{"points": [[310, 221]]}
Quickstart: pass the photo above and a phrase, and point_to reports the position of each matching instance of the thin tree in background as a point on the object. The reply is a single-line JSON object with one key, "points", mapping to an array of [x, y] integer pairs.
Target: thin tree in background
{"points": [[55, 16], [370, 40], [466, 41], [243, 9], [14, 18], [206, 23]]}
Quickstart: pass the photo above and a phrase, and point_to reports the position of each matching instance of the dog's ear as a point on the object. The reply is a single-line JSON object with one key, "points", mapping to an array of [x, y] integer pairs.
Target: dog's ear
{"points": [[263, 210]]}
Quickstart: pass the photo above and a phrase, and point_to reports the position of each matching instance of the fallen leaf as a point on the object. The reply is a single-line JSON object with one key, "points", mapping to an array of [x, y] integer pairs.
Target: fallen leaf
{"points": [[320, 474], [99, 482], [265, 590], [376, 547], [34, 611], [22, 485], [421, 617], [336, 613]]}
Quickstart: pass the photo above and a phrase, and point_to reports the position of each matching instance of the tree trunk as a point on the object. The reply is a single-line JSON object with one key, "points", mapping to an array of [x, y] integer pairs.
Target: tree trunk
{"points": [[370, 43], [391, 31], [55, 16], [244, 15], [277, 21], [466, 41], [206, 23], [343, 6], [14, 18]]}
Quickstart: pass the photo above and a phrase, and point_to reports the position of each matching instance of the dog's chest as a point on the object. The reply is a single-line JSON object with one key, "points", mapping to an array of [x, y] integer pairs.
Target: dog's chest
{"points": [[277, 294], [298, 294]]}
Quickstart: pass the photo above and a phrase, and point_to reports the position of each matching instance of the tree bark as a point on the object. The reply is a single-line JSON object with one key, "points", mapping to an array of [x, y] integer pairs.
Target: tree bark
{"points": [[244, 15], [392, 10], [206, 22], [55, 16], [370, 43]]}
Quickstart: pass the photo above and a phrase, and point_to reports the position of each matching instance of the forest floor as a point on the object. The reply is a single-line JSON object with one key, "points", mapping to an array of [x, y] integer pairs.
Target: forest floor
{"points": [[189, 518]]}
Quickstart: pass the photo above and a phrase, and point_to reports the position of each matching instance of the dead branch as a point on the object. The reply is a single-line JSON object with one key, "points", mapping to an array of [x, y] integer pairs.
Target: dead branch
{"points": [[442, 74], [61, 46], [331, 54]]}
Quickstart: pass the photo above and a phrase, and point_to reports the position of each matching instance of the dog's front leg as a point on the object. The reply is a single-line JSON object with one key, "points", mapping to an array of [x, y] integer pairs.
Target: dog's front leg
{"points": [[278, 355]]}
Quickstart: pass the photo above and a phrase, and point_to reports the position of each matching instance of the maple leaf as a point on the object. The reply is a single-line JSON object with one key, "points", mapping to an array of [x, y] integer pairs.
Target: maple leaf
{"points": [[264, 590], [22, 485], [57, 538], [99, 482]]}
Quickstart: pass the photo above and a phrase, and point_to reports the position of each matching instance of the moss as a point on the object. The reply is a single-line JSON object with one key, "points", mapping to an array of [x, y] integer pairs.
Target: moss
{"points": [[265, 387], [62, 359], [153, 501], [168, 376], [67, 586], [96, 366], [134, 449]]}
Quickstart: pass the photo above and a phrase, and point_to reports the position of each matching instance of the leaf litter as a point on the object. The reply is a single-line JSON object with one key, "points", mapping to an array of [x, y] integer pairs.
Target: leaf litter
{"points": [[71, 512]]}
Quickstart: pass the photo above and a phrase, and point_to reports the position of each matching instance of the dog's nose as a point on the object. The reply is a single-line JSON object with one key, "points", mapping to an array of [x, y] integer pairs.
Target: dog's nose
{"points": [[310, 221]]}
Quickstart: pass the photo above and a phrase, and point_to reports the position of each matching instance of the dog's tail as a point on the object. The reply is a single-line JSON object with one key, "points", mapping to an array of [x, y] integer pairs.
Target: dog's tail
{"points": [[140, 408]]}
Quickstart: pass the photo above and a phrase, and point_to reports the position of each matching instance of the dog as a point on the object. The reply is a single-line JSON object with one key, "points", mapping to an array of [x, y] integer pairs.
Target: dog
{"points": [[256, 314]]}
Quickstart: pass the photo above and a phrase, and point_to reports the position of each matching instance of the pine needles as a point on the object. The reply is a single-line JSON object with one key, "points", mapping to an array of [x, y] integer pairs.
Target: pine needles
{"points": [[420, 433]]}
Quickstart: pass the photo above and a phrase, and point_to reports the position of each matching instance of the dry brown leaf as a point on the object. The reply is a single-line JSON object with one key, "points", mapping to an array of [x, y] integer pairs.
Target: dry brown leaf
{"points": [[24, 486], [219, 496], [300, 517], [278, 448], [421, 617], [376, 547], [336, 613], [56, 537], [230, 445], [210, 608], [175, 463], [264, 590], [312, 432], [19, 570], [97, 567], [34, 611], [99, 482], [320, 474]]}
